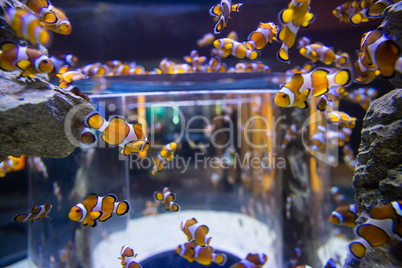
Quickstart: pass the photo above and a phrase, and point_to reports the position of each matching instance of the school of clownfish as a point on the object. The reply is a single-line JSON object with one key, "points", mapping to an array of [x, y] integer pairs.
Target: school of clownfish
{"points": [[378, 55]]}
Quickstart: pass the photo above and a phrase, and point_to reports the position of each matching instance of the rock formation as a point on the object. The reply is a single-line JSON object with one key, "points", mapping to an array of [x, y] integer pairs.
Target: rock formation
{"points": [[35, 118], [378, 177]]}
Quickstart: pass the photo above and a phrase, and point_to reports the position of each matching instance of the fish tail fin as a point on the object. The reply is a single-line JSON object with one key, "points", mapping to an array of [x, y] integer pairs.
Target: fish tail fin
{"points": [[174, 207], [94, 120], [122, 208], [236, 7], [20, 217], [308, 19], [283, 53], [87, 138], [343, 77], [220, 25], [158, 196], [215, 10], [358, 248], [219, 259]]}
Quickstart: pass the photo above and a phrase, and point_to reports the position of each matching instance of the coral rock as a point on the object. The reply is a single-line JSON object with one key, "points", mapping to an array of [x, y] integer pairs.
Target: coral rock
{"points": [[38, 119]]}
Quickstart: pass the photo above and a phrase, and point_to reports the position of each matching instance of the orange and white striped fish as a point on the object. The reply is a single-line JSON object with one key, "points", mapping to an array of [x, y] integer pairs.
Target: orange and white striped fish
{"points": [[34, 214], [252, 260], [97, 208], [265, 33], [53, 18], [295, 16], [167, 197], [30, 61], [117, 131], [384, 222], [26, 25], [196, 231], [166, 154], [222, 11], [68, 77], [127, 257]]}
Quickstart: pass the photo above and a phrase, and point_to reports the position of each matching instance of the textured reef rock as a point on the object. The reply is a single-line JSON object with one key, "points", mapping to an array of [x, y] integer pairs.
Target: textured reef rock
{"points": [[38, 119], [393, 29], [378, 173]]}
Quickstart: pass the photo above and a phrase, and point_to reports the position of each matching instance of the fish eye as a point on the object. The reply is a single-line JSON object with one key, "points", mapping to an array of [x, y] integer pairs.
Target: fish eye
{"points": [[45, 61], [283, 96], [147, 142], [77, 210]]}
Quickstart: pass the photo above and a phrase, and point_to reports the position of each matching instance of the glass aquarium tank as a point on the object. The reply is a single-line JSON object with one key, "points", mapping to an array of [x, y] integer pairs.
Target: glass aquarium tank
{"points": [[217, 135]]}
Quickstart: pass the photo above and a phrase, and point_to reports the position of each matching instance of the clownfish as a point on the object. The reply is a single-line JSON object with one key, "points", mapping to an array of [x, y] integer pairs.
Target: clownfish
{"points": [[341, 118], [319, 52], [377, 51], [94, 69], [61, 60], [97, 208], [167, 197], [265, 33], [296, 15], [186, 250], [34, 214], [224, 45], [118, 132], [127, 257], [352, 12], [196, 232], [377, 9], [11, 164], [62, 24], [363, 96], [42, 9], [53, 18], [345, 215], [215, 65], [312, 84], [30, 61], [26, 25], [252, 260], [222, 11], [384, 222], [165, 154], [66, 78], [241, 51], [252, 67], [206, 256], [195, 59], [206, 40], [289, 136]]}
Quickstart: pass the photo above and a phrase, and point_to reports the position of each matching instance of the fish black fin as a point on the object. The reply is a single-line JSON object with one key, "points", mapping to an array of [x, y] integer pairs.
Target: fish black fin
{"points": [[215, 10], [285, 16], [105, 219], [158, 196], [122, 208]]}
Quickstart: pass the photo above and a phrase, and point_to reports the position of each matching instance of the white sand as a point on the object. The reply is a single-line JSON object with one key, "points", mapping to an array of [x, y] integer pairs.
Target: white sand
{"points": [[151, 235]]}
